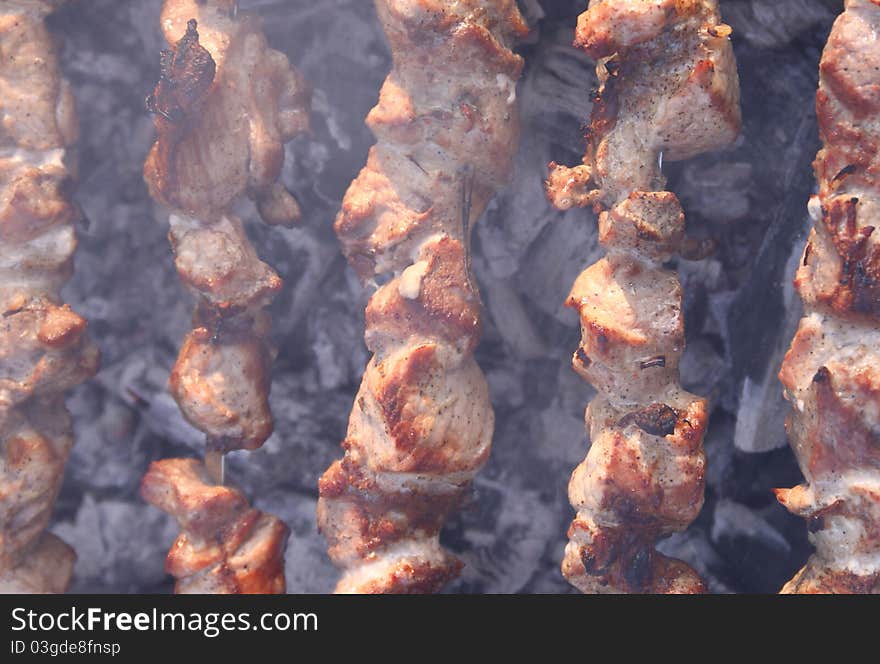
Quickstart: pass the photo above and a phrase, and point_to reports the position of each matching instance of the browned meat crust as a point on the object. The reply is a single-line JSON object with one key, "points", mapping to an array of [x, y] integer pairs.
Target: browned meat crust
{"points": [[44, 350], [421, 425], [830, 373], [224, 106], [669, 90]]}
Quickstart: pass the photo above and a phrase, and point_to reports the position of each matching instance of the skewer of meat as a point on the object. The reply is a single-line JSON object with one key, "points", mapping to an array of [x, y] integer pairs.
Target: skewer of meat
{"points": [[44, 349], [224, 107], [669, 90], [421, 425], [830, 373]]}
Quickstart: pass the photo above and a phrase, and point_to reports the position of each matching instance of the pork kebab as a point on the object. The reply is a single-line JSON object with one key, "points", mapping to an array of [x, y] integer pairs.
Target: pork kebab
{"points": [[44, 348], [830, 373], [224, 106], [669, 91], [421, 426]]}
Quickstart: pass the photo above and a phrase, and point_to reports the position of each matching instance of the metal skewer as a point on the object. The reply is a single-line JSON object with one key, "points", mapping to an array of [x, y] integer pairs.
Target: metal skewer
{"points": [[467, 191], [215, 464]]}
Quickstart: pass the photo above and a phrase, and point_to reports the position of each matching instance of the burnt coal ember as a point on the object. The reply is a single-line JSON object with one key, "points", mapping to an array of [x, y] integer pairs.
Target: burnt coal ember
{"points": [[740, 308]]}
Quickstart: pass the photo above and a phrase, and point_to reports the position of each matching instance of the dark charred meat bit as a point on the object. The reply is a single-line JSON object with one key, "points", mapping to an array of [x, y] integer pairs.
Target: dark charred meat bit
{"points": [[659, 361], [669, 89], [224, 107], [638, 571], [858, 287], [422, 422], [582, 358], [843, 172], [830, 373], [658, 419], [187, 72], [44, 348]]}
